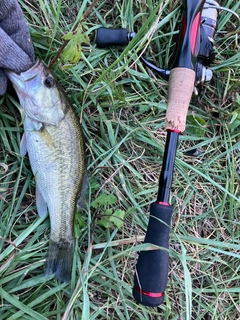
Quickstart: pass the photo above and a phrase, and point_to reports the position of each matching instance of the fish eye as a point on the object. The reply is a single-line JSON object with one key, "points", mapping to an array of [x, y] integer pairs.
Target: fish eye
{"points": [[49, 82]]}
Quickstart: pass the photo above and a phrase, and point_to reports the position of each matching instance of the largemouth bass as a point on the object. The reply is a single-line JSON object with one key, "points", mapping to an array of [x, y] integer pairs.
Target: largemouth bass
{"points": [[54, 143]]}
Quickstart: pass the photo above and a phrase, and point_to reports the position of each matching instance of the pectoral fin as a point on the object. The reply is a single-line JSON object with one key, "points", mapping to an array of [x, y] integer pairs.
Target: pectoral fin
{"points": [[40, 203], [23, 145]]}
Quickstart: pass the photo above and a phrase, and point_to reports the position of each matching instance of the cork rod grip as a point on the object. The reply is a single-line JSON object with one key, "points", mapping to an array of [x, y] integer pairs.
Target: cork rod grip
{"points": [[180, 89]]}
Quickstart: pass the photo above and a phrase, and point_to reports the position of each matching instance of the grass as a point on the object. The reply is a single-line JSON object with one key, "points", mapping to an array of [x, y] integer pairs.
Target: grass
{"points": [[122, 106]]}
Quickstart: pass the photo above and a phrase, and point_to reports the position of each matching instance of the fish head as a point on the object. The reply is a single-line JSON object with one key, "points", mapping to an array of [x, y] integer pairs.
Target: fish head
{"points": [[39, 94]]}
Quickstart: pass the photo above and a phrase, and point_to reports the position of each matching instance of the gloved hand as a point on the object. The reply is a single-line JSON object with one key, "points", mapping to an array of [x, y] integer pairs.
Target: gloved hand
{"points": [[16, 49]]}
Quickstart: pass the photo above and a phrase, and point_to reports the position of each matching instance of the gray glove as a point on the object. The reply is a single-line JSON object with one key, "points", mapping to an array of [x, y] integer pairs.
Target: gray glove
{"points": [[16, 49]]}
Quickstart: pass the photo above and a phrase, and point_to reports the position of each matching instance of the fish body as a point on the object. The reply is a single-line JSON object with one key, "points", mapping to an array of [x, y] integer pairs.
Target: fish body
{"points": [[54, 143]]}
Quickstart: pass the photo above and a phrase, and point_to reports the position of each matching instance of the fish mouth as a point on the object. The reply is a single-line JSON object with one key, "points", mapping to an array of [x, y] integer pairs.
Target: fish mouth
{"points": [[20, 81], [28, 74]]}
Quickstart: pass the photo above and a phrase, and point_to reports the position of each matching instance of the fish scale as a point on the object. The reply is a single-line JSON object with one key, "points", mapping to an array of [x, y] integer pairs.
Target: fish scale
{"points": [[54, 142]]}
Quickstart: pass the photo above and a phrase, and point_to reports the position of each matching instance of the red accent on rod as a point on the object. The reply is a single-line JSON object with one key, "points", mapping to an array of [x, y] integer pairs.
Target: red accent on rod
{"points": [[163, 203], [149, 294], [194, 32], [174, 130]]}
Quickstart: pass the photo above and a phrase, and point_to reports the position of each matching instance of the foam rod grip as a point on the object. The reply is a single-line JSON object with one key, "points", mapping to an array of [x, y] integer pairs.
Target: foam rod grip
{"points": [[180, 89], [150, 279], [106, 37]]}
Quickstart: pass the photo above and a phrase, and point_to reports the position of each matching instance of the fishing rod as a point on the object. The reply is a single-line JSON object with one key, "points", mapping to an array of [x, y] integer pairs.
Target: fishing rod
{"points": [[190, 70]]}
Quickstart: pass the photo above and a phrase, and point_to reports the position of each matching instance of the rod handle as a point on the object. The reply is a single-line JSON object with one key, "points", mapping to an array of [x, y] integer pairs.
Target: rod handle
{"points": [[180, 89], [150, 279], [106, 37]]}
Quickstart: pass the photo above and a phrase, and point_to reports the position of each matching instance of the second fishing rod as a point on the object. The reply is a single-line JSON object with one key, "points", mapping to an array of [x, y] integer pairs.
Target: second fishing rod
{"points": [[194, 53]]}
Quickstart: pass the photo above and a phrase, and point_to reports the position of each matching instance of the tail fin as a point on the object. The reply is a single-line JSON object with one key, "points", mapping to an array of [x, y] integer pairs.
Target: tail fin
{"points": [[60, 259]]}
